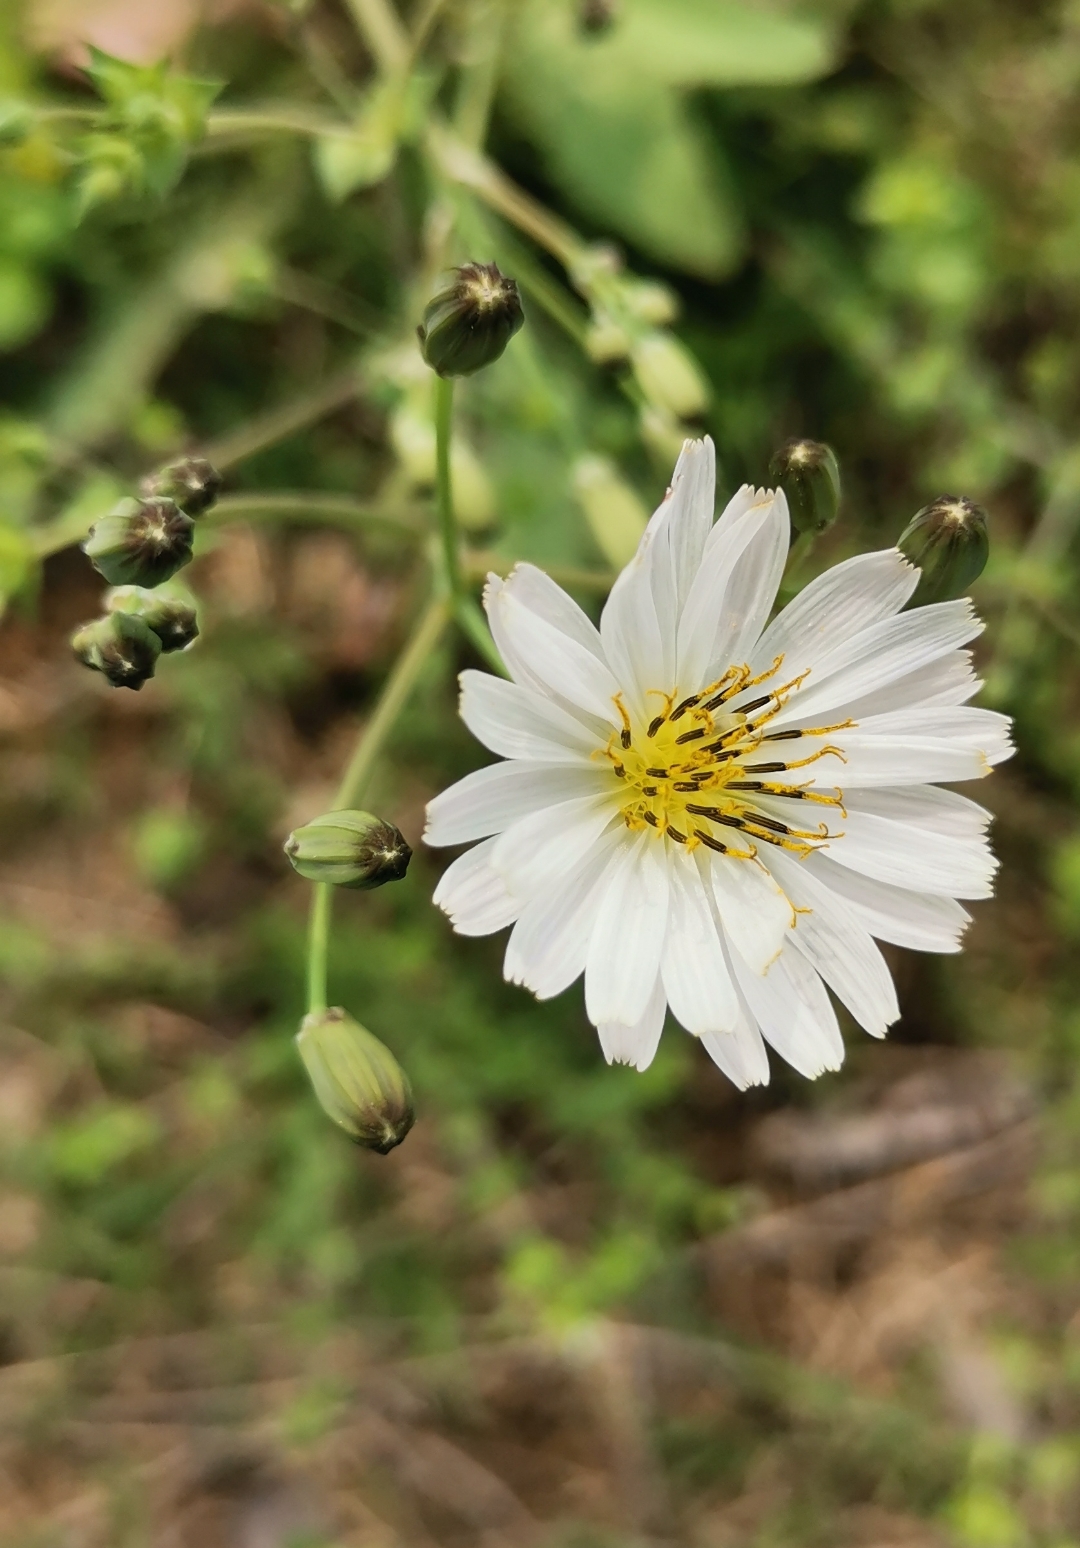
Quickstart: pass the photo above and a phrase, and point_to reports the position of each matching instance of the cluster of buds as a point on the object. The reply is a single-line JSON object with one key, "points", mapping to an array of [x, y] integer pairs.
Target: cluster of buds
{"points": [[630, 325], [137, 547]]}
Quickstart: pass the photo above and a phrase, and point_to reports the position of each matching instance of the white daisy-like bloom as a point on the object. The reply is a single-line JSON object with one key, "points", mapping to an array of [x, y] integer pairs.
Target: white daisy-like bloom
{"points": [[706, 812]]}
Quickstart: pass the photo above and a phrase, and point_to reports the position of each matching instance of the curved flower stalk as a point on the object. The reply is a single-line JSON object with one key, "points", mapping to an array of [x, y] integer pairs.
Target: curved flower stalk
{"points": [[704, 811]]}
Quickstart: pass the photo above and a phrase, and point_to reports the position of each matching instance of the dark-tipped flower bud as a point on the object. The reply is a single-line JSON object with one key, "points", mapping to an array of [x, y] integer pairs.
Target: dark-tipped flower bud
{"points": [[470, 320], [949, 543], [120, 646], [809, 475], [359, 1083], [193, 483], [349, 849], [141, 542], [170, 614]]}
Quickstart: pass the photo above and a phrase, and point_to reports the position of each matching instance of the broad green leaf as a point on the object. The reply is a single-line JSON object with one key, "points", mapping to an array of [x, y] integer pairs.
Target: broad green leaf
{"points": [[620, 143], [719, 43]]}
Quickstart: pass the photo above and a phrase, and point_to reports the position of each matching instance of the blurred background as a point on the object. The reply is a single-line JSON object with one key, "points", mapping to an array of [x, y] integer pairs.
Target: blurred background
{"points": [[579, 1306]]}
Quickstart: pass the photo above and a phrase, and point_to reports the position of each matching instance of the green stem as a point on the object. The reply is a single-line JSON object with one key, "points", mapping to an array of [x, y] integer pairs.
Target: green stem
{"points": [[468, 615], [318, 943], [355, 780]]}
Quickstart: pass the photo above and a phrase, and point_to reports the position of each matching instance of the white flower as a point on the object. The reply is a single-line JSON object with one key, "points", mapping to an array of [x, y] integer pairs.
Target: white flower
{"points": [[705, 811]]}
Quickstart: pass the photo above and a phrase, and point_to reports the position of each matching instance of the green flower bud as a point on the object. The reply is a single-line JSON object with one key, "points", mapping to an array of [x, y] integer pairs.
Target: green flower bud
{"points": [[349, 849], [170, 614], [193, 483], [470, 320], [120, 646], [669, 376], [809, 475], [615, 515], [357, 1080], [949, 543], [140, 542], [606, 341], [597, 15]]}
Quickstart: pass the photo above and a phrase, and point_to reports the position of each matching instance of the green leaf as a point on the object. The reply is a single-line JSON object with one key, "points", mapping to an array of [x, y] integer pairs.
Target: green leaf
{"points": [[718, 43], [18, 563], [620, 143]]}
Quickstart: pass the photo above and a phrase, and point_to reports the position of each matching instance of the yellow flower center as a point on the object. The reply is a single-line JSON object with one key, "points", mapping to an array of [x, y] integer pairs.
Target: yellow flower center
{"points": [[694, 771]]}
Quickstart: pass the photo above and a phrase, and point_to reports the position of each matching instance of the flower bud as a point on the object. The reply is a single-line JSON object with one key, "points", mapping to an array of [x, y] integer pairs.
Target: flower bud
{"points": [[357, 1080], [949, 543], [192, 483], [606, 341], [669, 376], [170, 614], [349, 849], [140, 542], [809, 475], [615, 515], [470, 320], [120, 646]]}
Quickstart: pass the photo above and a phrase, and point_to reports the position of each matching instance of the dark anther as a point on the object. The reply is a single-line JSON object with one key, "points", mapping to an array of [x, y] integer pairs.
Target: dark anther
{"points": [[745, 784], [712, 843], [649, 790], [654, 725], [680, 838], [625, 737], [765, 768], [691, 736], [685, 784], [746, 709], [770, 822], [620, 771], [657, 773], [782, 736], [650, 818], [687, 704]]}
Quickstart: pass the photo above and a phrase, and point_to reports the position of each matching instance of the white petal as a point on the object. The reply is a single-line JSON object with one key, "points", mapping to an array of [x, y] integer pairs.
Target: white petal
{"points": [[753, 909], [473, 896], [908, 856], [628, 937], [537, 591], [548, 945], [837, 944], [869, 760], [518, 722], [630, 628], [636, 1044], [560, 664], [927, 806], [963, 725], [691, 503], [537, 850], [949, 680], [695, 973], [734, 588], [793, 1011], [917, 920], [843, 601], [489, 800], [872, 658], [740, 1054]]}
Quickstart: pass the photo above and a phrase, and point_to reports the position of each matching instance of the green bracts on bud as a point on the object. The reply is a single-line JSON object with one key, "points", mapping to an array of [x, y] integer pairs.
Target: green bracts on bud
{"points": [[349, 849], [470, 320], [120, 646], [809, 475], [141, 542], [170, 614], [357, 1080], [193, 483], [949, 543]]}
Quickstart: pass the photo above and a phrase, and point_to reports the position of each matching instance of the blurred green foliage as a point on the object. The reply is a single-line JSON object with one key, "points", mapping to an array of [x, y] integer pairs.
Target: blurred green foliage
{"points": [[858, 222]]}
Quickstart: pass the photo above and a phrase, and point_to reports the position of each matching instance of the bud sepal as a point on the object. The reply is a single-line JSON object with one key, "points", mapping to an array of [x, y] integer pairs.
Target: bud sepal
{"points": [[349, 849], [120, 646], [470, 320], [809, 475], [949, 543], [141, 542], [359, 1084], [169, 613]]}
